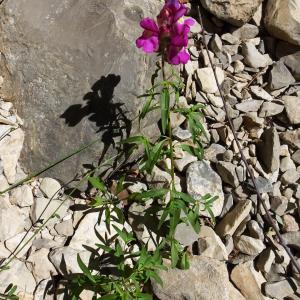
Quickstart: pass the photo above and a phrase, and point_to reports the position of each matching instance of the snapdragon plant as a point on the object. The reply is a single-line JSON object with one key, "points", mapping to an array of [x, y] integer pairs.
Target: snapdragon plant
{"points": [[168, 37]]}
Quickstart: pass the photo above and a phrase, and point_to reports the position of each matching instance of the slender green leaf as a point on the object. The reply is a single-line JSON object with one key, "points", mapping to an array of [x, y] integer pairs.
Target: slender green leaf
{"points": [[125, 236], [155, 276], [97, 183], [86, 271]]}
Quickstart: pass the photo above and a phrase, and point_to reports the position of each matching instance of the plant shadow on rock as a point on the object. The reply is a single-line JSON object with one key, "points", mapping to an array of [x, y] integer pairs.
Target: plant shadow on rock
{"points": [[109, 116]]}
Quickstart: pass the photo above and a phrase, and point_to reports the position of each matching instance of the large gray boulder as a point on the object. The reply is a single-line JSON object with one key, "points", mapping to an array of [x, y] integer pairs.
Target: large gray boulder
{"points": [[73, 72], [235, 12], [282, 20]]}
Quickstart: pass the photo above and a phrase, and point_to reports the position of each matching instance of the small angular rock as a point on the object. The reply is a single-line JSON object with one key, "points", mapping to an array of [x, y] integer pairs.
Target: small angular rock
{"points": [[292, 108], [227, 172], [202, 180], [269, 149], [233, 218], [280, 76]]}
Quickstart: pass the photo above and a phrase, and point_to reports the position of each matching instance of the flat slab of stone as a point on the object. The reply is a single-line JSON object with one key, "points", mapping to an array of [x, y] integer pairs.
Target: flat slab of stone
{"points": [[73, 86]]}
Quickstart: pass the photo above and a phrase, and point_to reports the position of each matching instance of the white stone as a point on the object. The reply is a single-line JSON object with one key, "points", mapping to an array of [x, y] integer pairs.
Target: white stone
{"points": [[64, 259], [215, 100], [253, 58], [91, 228], [50, 187], [207, 81], [211, 245], [20, 241], [12, 222], [48, 207], [10, 150], [203, 180], [248, 281], [292, 107], [22, 196], [261, 93], [40, 265], [19, 275], [182, 163], [249, 245], [234, 218], [269, 109]]}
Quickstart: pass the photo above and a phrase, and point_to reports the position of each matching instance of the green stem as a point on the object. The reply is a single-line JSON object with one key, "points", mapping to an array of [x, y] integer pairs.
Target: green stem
{"points": [[169, 136]]}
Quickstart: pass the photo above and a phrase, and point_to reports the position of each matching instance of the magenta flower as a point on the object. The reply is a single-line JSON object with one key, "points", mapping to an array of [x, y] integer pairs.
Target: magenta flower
{"points": [[169, 35]]}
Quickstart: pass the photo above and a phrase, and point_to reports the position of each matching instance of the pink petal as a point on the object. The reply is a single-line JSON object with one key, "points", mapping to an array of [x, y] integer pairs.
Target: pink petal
{"points": [[189, 22], [149, 44], [180, 13], [149, 24], [177, 55], [173, 3]]}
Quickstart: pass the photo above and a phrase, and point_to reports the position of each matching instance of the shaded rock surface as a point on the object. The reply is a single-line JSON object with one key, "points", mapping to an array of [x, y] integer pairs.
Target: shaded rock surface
{"points": [[234, 12], [72, 86], [282, 20]]}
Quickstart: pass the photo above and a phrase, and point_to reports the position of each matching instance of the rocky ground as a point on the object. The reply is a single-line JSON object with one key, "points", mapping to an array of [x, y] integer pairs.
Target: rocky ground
{"points": [[239, 257]]}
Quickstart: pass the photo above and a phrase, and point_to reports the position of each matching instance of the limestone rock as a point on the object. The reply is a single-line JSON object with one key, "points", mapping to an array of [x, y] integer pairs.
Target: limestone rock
{"points": [[268, 150], [292, 239], [292, 107], [246, 32], [282, 20], [10, 150], [248, 281], [91, 228], [203, 180], [280, 76], [280, 289], [207, 81], [206, 279], [42, 268], [50, 187], [65, 228], [265, 260], [65, 262], [12, 222], [22, 196], [234, 12], [269, 109], [291, 137], [19, 275], [249, 105], [17, 240], [234, 218], [290, 177], [185, 234], [253, 58], [291, 61], [249, 245], [255, 230], [46, 207], [210, 245], [214, 152], [296, 157], [261, 93], [76, 82], [289, 223], [227, 172]]}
